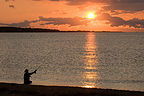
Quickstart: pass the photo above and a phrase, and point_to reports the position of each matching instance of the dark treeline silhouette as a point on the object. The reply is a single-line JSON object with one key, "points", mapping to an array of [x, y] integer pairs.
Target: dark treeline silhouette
{"points": [[21, 30], [17, 29]]}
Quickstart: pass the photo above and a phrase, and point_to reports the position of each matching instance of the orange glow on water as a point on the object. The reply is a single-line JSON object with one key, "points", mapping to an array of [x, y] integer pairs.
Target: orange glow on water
{"points": [[88, 86], [90, 62]]}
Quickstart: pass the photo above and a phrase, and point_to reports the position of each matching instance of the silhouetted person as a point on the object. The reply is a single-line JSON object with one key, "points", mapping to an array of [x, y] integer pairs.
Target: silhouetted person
{"points": [[27, 76]]}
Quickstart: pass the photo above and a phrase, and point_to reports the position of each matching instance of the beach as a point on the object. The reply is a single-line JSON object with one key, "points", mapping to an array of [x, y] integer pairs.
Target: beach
{"points": [[13, 89]]}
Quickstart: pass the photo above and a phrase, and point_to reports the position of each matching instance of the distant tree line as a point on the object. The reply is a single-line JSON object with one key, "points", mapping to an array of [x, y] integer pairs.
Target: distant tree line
{"points": [[17, 29]]}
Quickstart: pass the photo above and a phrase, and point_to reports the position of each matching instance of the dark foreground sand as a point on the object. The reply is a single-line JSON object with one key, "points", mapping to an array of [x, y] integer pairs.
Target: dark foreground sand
{"points": [[11, 89]]}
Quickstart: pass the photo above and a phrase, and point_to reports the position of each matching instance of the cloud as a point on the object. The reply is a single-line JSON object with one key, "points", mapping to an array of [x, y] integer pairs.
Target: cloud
{"points": [[62, 21], [100, 1], [9, 0], [20, 24], [136, 23], [76, 21], [117, 21], [126, 5], [11, 6], [55, 21]]}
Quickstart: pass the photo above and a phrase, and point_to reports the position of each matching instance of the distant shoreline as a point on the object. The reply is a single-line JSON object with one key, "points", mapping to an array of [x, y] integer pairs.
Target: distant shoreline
{"points": [[38, 30], [12, 89]]}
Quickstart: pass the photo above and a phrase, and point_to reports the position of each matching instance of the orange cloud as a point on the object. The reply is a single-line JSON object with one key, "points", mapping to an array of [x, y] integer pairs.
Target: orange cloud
{"points": [[117, 21], [60, 21], [127, 5], [55, 21]]}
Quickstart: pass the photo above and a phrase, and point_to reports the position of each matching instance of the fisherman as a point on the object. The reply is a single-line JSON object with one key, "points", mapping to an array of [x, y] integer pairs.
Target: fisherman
{"points": [[27, 76]]}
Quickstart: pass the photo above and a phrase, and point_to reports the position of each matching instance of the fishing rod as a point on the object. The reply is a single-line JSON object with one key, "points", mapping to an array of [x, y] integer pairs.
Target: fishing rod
{"points": [[37, 68]]}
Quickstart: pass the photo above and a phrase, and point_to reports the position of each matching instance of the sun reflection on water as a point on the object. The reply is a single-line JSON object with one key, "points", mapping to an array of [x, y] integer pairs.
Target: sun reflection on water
{"points": [[90, 59]]}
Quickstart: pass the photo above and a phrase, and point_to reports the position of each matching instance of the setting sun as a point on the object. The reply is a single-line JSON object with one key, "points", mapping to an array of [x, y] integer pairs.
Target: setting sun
{"points": [[91, 15]]}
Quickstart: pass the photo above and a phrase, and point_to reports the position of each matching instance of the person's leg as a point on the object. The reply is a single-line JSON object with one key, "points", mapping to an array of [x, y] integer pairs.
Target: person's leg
{"points": [[26, 82]]}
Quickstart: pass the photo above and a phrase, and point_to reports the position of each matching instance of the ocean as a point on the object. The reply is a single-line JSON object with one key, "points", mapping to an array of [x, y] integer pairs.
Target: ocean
{"points": [[84, 59]]}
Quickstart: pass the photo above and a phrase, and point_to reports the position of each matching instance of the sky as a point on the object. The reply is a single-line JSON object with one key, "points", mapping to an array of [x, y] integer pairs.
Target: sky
{"points": [[110, 15]]}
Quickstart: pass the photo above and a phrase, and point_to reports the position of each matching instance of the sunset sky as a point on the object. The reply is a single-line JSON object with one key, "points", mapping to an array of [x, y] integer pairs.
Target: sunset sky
{"points": [[110, 15]]}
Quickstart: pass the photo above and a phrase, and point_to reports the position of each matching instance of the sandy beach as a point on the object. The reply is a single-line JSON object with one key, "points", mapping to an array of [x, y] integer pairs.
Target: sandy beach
{"points": [[12, 89]]}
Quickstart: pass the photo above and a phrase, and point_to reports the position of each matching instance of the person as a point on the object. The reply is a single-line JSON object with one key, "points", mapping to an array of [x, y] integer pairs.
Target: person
{"points": [[27, 76]]}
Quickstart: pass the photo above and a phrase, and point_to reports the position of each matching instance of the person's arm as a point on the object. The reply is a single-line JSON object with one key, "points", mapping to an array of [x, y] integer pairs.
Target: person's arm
{"points": [[33, 72]]}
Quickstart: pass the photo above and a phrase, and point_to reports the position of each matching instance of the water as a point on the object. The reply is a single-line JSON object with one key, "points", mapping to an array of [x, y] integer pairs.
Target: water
{"points": [[101, 60]]}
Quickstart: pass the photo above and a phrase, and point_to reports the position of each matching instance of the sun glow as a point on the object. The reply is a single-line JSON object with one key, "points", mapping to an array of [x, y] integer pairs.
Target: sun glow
{"points": [[91, 15]]}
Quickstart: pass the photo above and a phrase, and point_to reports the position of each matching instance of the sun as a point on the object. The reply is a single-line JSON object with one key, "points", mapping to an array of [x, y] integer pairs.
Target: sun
{"points": [[91, 15]]}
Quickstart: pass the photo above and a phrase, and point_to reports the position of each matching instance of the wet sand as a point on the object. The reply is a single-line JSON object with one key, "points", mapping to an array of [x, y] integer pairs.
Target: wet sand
{"points": [[12, 89]]}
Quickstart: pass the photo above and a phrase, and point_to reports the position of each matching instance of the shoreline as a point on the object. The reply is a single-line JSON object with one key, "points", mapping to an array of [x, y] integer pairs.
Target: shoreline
{"points": [[13, 89]]}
